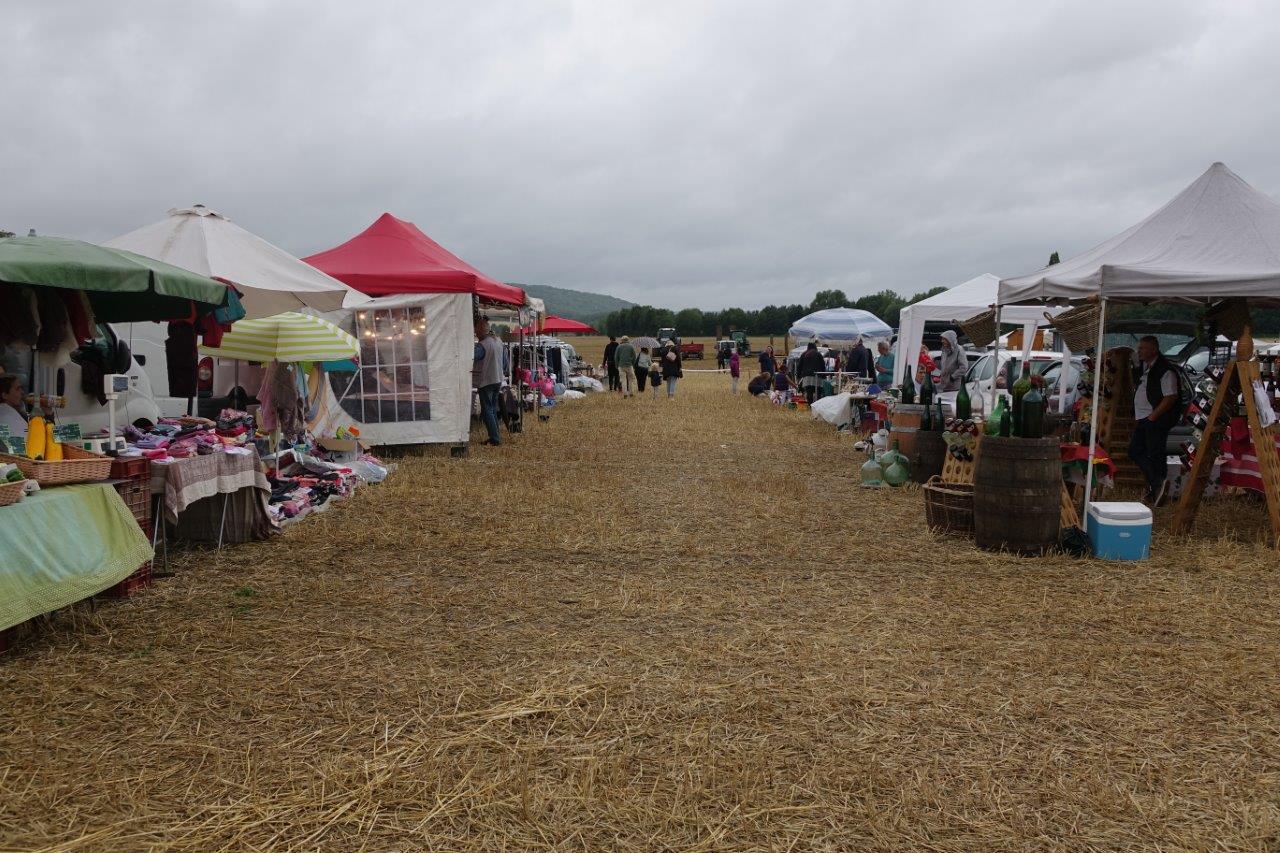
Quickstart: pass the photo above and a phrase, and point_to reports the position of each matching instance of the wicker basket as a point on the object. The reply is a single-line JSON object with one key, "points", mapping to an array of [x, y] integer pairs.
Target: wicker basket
{"points": [[1078, 326], [948, 507], [980, 329], [11, 493], [76, 466]]}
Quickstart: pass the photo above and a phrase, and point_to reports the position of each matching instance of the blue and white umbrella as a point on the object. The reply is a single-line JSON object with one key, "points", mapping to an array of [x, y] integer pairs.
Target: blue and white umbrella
{"points": [[840, 325]]}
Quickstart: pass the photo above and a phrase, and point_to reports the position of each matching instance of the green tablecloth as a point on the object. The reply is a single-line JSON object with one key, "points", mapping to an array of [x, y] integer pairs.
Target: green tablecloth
{"points": [[64, 544]]}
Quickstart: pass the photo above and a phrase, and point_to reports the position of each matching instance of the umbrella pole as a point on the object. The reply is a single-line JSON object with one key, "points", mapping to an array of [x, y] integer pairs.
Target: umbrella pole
{"points": [[1093, 417]]}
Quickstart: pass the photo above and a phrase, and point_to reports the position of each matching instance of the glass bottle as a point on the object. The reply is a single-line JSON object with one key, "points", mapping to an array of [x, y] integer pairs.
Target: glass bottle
{"points": [[993, 419], [871, 473], [926, 389], [1032, 419], [1006, 423], [1019, 390], [926, 420], [939, 420], [964, 406], [908, 388], [896, 473]]}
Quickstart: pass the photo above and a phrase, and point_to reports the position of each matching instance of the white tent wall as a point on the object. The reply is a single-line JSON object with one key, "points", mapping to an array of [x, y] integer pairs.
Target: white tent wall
{"points": [[958, 303], [450, 340]]}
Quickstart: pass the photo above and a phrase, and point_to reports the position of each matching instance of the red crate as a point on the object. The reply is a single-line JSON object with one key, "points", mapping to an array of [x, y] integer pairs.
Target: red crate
{"points": [[135, 468], [139, 580], [137, 496]]}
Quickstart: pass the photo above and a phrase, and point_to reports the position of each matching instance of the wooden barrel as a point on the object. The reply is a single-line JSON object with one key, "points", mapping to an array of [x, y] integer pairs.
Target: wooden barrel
{"points": [[929, 453], [906, 422], [1017, 495]]}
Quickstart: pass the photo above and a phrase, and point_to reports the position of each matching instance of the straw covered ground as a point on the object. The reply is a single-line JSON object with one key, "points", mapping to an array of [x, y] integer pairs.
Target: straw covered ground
{"points": [[652, 624]]}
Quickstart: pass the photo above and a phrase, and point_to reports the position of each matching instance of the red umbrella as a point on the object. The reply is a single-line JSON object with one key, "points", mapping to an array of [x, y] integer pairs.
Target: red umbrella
{"points": [[563, 326]]}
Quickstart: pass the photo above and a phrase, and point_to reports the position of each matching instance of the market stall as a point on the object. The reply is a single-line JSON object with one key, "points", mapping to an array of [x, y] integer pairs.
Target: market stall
{"points": [[1216, 244], [413, 384]]}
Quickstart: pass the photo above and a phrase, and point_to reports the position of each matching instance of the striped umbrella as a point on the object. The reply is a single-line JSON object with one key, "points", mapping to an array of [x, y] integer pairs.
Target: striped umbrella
{"points": [[285, 337]]}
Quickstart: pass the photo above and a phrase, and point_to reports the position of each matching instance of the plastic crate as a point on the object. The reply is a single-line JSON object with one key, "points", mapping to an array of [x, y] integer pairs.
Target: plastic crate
{"points": [[137, 497], [138, 468], [139, 580]]}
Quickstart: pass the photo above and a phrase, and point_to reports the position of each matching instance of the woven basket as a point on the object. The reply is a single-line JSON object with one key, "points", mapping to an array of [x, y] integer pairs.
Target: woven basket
{"points": [[76, 466], [948, 507], [980, 329], [1078, 327], [11, 493]]}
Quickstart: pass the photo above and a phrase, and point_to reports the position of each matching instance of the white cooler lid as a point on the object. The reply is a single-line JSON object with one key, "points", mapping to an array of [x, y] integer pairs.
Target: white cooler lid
{"points": [[1119, 511]]}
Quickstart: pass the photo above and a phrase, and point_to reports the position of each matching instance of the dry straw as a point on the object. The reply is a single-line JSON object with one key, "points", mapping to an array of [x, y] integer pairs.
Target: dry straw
{"points": [[652, 624]]}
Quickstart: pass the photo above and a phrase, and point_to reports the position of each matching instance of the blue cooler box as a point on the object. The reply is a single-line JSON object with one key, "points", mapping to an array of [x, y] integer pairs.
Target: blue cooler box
{"points": [[1120, 530]]}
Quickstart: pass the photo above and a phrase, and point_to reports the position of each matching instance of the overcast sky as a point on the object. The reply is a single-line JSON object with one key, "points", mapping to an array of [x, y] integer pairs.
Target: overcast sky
{"points": [[679, 154]]}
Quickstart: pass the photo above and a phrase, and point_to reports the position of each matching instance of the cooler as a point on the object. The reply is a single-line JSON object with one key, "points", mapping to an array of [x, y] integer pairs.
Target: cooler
{"points": [[1120, 530]]}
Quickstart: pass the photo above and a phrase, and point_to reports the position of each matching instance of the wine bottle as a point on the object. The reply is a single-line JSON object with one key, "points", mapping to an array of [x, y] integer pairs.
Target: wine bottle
{"points": [[926, 389], [908, 387], [1019, 390], [1032, 419], [926, 420], [964, 406], [1005, 423], [993, 419], [939, 421]]}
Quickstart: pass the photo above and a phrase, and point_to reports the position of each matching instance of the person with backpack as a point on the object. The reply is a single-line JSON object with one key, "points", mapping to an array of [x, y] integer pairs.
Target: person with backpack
{"points": [[1155, 411]]}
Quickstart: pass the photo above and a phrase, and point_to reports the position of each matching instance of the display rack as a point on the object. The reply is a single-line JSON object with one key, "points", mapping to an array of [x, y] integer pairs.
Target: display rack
{"points": [[1237, 383], [1115, 417]]}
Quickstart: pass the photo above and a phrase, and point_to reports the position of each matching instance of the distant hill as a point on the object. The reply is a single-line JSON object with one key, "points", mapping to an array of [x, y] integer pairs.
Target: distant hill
{"points": [[575, 304]]}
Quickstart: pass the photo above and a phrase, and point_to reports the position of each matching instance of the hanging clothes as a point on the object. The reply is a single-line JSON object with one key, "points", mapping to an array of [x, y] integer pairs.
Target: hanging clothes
{"points": [[79, 313], [55, 326], [180, 358], [19, 322]]}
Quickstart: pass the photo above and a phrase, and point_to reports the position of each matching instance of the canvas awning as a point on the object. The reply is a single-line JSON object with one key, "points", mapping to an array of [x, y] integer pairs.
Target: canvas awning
{"points": [[392, 256], [1216, 239], [553, 325], [285, 337], [269, 279]]}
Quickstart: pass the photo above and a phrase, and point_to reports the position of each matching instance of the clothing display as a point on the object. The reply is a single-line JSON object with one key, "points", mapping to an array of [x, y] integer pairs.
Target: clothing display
{"points": [[180, 358]]}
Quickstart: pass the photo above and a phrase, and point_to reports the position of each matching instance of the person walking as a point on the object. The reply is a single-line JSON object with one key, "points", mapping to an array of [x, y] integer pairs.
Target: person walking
{"points": [[643, 361], [860, 362], [671, 369], [1155, 410], [811, 363], [768, 364], [719, 356], [735, 370], [486, 375], [611, 364], [625, 357], [953, 363]]}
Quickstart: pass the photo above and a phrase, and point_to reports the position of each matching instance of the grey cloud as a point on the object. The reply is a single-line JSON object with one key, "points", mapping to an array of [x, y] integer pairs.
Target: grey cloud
{"points": [[703, 154]]}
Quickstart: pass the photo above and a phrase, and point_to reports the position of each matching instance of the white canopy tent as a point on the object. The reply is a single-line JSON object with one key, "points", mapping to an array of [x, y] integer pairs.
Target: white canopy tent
{"points": [[271, 280], [958, 303], [1217, 239]]}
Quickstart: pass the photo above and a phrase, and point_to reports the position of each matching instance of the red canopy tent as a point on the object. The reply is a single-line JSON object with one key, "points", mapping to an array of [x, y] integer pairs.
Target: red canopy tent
{"points": [[392, 256], [562, 326]]}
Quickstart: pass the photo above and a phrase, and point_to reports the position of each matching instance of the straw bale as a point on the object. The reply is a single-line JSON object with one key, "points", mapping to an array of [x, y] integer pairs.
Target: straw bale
{"points": [[652, 623]]}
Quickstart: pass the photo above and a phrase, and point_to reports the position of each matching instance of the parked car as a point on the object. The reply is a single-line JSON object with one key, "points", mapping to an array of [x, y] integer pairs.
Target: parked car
{"points": [[1043, 363]]}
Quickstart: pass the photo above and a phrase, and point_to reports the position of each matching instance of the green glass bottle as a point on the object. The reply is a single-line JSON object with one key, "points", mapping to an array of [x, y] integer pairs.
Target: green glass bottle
{"points": [[926, 389], [964, 406], [1006, 423], [1019, 390], [1032, 419], [993, 419], [908, 388], [896, 473], [871, 474], [926, 420], [939, 420]]}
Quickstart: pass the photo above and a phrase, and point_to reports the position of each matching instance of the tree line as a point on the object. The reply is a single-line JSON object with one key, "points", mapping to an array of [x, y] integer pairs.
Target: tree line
{"points": [[769, 320]]}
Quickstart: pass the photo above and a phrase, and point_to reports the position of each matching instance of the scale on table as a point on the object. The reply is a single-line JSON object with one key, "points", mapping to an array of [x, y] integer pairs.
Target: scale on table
{"points": [[114, 386]]}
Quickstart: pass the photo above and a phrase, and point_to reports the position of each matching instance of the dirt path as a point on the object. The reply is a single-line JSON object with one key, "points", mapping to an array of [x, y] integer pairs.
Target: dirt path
{"points": [[649, 624]]}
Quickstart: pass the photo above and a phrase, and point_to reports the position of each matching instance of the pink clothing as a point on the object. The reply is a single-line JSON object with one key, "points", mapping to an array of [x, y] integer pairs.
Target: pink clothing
{"points": [[734, 364]]}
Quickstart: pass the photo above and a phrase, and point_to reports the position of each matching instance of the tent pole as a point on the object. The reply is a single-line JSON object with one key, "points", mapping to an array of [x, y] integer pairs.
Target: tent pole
{"points": [[1098, 367], [995, 361]]}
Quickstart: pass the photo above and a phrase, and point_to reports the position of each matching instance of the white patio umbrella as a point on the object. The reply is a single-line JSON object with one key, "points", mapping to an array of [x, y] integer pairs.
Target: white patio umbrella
{"points": [[271, 280]]}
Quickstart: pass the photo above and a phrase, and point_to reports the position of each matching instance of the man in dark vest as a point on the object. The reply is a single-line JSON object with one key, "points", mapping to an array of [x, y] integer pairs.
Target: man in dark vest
{"points": [[1155, 410], [611, 364]]}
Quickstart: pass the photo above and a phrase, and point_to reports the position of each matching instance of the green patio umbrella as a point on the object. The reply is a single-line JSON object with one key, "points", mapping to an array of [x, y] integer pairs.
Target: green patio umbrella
{"points": [[122, 287]]}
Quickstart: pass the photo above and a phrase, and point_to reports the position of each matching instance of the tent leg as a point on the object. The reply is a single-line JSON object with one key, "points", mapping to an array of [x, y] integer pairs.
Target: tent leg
{"points": [[995, 362], [1098, 367]]}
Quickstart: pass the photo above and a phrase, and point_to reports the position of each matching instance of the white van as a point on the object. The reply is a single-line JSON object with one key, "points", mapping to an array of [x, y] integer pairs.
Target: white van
{"points": [[41, 376], [215, 377]]}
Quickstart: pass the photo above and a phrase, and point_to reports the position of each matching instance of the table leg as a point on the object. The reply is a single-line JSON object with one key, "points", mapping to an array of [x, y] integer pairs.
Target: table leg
{"points": [[226, 498]]}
